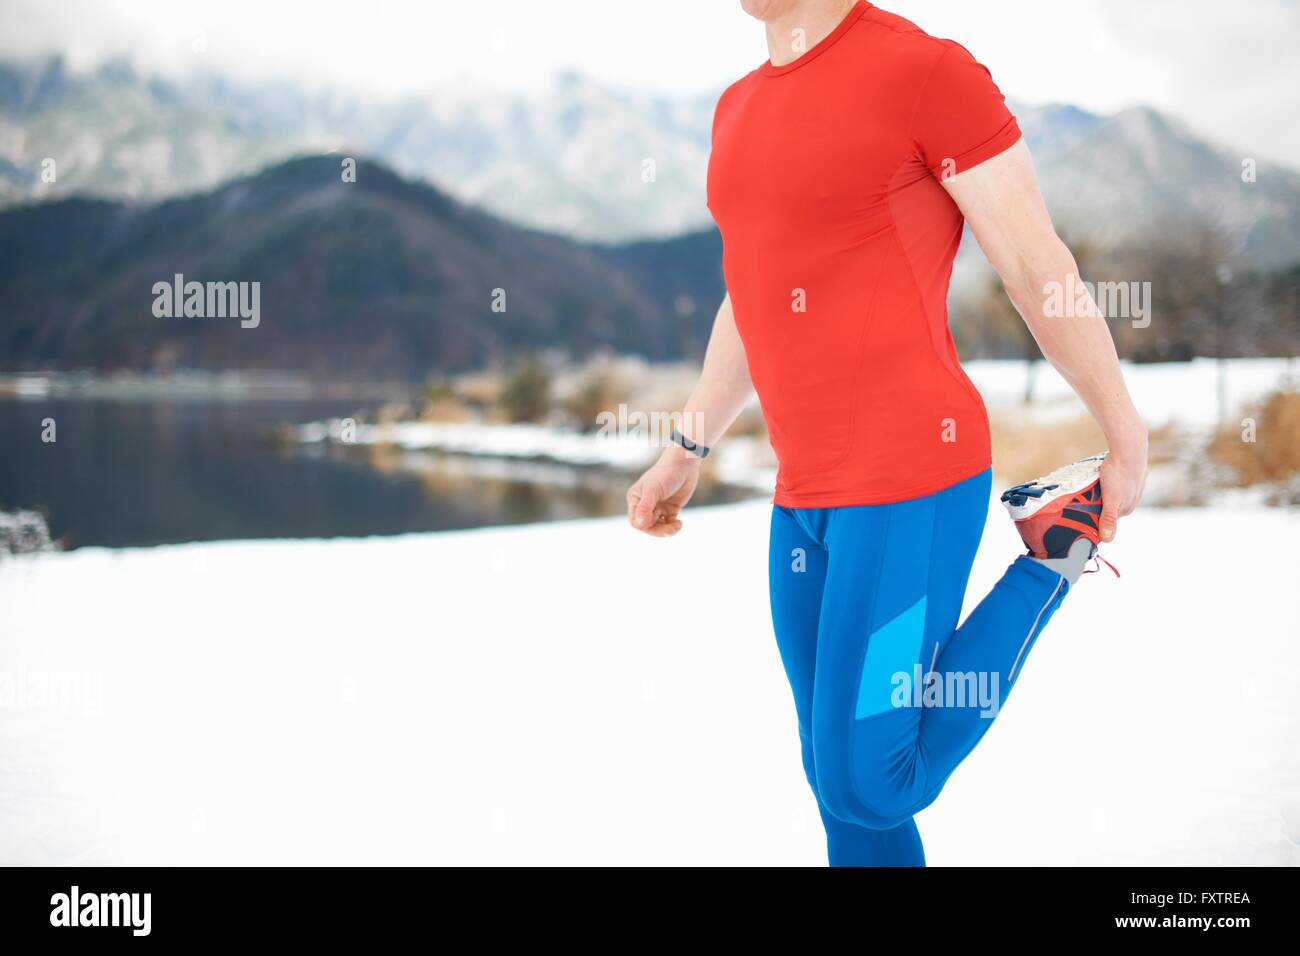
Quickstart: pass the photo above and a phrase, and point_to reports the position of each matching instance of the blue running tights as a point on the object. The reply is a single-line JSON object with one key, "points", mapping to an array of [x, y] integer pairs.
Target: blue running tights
{"points": [[890, 694]]}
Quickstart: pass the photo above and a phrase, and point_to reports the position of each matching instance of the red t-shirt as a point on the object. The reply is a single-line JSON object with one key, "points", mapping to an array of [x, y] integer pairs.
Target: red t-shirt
{"points": [[838, 241]]}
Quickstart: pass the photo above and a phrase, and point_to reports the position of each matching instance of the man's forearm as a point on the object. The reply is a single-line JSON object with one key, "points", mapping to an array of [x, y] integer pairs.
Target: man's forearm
{"points": [[1079, 346], [723, 387]]}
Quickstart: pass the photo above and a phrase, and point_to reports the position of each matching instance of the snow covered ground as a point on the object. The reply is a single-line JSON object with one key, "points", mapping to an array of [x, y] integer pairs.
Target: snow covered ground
{"points": [[537, 695], [1164, 392], [628, 450]]}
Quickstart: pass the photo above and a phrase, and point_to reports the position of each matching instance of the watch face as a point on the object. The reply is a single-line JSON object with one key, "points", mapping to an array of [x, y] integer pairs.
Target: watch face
{"points": [[696, 449]]}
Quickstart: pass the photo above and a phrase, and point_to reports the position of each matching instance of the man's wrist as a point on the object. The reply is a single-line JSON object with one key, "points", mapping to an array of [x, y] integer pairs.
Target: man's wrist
{"points": [[1130, 439], [675, 453], [690, 445]]}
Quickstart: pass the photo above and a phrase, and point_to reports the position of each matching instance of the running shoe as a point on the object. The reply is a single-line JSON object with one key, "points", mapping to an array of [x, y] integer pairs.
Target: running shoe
{"points": [[1053, 512]]}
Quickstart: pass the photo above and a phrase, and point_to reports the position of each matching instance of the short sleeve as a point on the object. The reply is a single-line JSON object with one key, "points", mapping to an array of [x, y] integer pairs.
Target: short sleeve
{"points": [[961, 118], [719, 108]]}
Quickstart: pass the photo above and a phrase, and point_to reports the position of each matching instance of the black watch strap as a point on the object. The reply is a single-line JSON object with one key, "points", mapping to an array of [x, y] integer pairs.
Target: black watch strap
{"points": [[696, 449]]}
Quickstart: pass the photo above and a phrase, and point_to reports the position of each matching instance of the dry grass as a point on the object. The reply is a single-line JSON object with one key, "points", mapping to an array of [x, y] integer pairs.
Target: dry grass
{"points": [[1273, 456], [1164, 445], [1023, 451], [444, 409], [750, 424], [1020, 451]]}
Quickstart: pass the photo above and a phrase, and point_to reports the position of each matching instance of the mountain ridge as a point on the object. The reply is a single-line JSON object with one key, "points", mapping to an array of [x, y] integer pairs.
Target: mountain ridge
{"points": [[381, 276], [570, 159]]}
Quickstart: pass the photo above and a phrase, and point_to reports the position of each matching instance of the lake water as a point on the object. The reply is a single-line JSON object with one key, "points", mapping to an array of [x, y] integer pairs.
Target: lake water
{"points": [[141, 472]]}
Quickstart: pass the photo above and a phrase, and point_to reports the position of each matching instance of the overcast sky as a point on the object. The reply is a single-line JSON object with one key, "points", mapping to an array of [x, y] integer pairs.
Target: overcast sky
{"points": [[1230, 69]]}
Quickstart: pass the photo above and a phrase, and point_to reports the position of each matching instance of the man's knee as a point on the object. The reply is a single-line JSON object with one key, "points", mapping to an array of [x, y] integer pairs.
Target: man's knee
{"points": [[848, 796]]}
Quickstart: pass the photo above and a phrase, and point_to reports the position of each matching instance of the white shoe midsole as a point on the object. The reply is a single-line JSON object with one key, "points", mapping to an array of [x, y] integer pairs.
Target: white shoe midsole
{"points": [[1068, 479]]}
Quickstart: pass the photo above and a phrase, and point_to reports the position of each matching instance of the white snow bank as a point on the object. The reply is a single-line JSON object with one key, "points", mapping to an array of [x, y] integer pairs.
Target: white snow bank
{"points": [[536, 695], [628, 451], [1184, 393], [500, 441], [1164, 392]]}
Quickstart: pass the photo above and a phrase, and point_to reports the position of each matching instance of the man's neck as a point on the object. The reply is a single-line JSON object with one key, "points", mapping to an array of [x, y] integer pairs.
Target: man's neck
{"points": [[808, 22]]}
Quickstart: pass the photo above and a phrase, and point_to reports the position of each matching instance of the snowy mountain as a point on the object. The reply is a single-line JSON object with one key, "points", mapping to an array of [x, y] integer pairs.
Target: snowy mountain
{"points": [[115, 135], [1109, 178], [573, 157], [569, 158]]}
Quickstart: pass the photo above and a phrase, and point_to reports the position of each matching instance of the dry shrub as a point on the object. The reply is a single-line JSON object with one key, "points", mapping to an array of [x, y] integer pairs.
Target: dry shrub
{"points": [[446, 410], [1164, 445], [1274, 455], [598, 390], [1025, 450], [750, 423]]}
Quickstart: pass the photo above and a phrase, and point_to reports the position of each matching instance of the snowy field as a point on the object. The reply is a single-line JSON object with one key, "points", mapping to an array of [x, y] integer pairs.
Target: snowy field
{"points": [[1185, 393], [578, 694]]}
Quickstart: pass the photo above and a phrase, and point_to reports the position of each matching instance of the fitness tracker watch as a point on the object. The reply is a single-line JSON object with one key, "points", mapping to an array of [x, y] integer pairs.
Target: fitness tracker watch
{"points": [[696, 449]]}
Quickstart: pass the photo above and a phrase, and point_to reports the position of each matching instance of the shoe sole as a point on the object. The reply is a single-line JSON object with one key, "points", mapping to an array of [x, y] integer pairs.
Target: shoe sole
{"points": [[1026, 500]]}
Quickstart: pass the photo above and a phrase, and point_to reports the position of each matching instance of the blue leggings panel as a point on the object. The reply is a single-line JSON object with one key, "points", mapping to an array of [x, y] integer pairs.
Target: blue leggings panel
{"points": [[890, 695]]}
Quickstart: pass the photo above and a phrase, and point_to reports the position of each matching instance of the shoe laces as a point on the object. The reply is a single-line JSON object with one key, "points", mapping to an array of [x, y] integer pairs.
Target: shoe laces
{"points": [[1096, 555]]}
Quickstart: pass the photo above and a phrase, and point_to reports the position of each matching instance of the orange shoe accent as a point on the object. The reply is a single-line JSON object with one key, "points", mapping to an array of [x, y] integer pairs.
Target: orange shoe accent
{"points": [[1033, 528]]}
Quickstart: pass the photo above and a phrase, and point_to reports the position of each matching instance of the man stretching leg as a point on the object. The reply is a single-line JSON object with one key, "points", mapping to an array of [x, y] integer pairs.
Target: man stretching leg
{"points": [[842, 170]]}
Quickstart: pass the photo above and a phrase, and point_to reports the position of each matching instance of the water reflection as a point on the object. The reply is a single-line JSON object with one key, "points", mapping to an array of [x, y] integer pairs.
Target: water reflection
{"points": [[141, 472]]}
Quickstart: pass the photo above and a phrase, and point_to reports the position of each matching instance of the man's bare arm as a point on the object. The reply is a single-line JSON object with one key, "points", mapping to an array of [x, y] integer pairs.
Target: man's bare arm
{"points": [[1004, 207], [655, 502]]}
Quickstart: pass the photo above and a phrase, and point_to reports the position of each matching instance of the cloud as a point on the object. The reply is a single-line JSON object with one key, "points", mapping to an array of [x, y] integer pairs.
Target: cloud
{"points": [[1229, 71]]}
